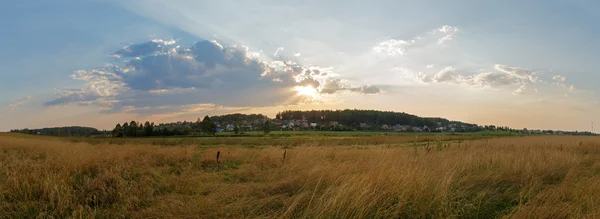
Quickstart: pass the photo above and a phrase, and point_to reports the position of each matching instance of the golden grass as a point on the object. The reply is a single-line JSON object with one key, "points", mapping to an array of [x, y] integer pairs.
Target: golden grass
{"points": [[521, 177], [279, 141]]}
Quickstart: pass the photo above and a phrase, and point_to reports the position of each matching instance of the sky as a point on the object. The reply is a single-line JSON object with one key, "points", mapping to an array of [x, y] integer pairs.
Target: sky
{"points": [[523, 64]]}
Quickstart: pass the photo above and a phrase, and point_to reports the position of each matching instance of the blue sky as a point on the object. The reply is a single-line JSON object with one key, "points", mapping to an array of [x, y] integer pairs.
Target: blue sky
{"points": [[96, 63]]}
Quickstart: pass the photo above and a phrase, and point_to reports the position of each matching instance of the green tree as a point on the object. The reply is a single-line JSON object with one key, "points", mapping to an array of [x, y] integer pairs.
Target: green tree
{"points": [[117, 131], [133, 128], [148, 128], [126, 129], [176, 131], [267, 127], [141, 130], [159, 131], [197, 126], [208, 127], [236, 128]]}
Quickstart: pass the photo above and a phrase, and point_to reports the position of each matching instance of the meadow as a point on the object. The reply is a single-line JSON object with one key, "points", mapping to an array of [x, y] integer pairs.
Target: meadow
{"points": [[306, 176]]}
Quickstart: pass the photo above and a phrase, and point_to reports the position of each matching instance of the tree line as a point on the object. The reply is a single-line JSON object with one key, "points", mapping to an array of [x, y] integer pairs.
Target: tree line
{"points": [[347, 119], [353, 118], [133, 129], [77, 131], [206, 126]]}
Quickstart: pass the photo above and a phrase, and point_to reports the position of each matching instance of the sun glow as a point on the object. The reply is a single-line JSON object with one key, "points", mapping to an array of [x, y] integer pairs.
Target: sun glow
{"points": [[307, 91]]}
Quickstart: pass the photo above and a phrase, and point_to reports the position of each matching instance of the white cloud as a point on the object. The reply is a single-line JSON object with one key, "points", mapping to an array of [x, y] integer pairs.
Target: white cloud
{"points": [[448, 74], [445, 39], [173, 90], [392, 47], [521, 90], [489, 79], [429, 66], [19, 102], [448, 33], [521, 73], [448, 29], [513, 80], [483, 79], [559, 78], [518, 80], [279, 49], [399, 47]]}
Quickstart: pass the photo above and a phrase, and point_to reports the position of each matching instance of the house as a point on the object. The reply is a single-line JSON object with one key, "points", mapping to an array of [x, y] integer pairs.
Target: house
{"points": [[312, 124], [426, 128], [385, 127], [401, 128]]}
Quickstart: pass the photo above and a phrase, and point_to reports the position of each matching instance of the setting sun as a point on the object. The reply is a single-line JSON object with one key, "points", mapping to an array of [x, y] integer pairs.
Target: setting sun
{"points": [[307, 91]]}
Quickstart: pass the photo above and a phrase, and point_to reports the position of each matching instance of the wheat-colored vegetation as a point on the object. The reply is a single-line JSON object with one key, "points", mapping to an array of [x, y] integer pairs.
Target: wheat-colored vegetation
{"points": [[520, 177]]}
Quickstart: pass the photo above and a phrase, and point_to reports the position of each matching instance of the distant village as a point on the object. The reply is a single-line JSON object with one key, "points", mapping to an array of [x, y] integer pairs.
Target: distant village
{"points": [[322, 120], [299, 125], [308, 125]]}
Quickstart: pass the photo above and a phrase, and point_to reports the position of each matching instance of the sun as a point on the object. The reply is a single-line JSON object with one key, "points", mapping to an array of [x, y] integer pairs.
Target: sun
{"points": [[307, 91]]}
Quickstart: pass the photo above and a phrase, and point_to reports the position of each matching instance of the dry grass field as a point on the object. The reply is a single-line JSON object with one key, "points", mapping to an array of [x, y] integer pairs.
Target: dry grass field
{"points": [[366, 177]]}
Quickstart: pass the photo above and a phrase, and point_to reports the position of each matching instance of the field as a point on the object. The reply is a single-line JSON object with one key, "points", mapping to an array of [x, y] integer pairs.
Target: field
{"points": [[337, 176]]}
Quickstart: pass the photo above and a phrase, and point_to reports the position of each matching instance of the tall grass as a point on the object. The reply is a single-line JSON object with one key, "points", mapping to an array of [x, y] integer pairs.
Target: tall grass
{"points": [[525, 177], [260, 141]]}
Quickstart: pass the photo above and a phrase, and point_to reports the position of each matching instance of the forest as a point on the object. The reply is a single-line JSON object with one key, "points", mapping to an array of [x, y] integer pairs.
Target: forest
{"points": [[374, 118], [61, 131]]}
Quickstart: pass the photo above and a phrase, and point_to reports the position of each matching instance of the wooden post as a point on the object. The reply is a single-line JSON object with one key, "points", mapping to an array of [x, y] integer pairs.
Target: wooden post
{"points": [[218, 153]]}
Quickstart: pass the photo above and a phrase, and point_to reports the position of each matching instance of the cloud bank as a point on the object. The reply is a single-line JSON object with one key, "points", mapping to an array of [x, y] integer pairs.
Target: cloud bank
{"points": [[503, 76], [160, 75]]}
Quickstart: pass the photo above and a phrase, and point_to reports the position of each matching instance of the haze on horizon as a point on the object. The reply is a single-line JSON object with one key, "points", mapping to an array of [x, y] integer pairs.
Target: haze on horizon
{"points": [[100, 62]]}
